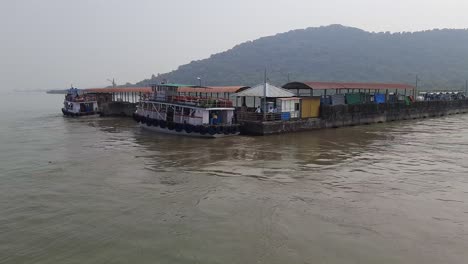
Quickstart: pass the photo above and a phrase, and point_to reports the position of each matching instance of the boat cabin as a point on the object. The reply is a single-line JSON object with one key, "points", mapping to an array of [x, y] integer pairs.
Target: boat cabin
{"points": [[78, 103]]}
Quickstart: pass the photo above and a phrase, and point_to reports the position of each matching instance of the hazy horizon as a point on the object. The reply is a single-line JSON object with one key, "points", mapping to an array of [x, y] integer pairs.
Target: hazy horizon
{"points": [[51, 44]]}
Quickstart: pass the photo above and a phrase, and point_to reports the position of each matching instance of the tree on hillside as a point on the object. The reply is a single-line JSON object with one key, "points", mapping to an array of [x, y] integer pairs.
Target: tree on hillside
{"points": [[336, 53]]}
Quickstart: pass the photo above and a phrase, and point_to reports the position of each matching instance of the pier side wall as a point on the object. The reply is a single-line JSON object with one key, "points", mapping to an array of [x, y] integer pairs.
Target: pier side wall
{"points": [[353, 115], [117, 109]]}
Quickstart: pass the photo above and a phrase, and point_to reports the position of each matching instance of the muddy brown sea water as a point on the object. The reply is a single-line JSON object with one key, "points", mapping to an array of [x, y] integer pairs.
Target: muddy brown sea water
{"points": [[101, 190]]}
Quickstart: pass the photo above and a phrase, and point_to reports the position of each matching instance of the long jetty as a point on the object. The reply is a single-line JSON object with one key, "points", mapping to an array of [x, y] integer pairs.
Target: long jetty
{"points": [[123, 102]]}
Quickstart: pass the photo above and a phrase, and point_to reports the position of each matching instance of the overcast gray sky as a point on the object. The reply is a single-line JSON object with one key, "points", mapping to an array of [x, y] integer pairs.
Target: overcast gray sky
{"points": [[48, 44]]}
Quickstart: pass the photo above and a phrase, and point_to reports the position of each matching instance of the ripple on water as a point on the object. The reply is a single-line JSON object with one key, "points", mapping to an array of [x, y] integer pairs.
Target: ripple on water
{"points": [[393, 191]]}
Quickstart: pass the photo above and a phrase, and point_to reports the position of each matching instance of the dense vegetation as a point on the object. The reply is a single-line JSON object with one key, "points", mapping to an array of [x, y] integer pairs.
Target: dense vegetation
{"points": [[336, 53]]}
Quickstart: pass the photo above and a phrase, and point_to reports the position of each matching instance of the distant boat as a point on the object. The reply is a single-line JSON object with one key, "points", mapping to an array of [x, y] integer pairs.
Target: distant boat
{"points": [[77, 103], [57, 91], [167, 112]]}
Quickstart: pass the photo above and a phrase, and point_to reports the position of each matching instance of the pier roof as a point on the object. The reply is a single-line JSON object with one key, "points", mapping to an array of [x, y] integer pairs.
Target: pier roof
{"points": [[212, 89], [119, 90], [271, 91], [173, 85], [346, 85]]}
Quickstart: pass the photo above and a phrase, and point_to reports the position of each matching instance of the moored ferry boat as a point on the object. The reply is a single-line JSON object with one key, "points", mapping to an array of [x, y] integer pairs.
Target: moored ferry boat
{"points": [[166, 111], [77, 103]]}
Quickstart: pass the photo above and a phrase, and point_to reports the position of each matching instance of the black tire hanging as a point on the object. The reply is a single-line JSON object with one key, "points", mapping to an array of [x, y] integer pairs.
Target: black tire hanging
{"points": [[188, 128], [178, 127], [211, 130], [170, 126], [203, 130]]}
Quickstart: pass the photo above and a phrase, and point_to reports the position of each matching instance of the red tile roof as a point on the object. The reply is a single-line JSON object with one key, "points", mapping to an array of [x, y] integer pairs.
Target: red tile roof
{"points": [[119, 90], [208, 89], [212, 89], [346, 85]]}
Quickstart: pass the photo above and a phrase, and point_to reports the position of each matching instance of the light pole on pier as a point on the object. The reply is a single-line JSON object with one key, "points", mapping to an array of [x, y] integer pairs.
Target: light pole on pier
{"points": [[466, 87], [416, 87], [113, 82]]}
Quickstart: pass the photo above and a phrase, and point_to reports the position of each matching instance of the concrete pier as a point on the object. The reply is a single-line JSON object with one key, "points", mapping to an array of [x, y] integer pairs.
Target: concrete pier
{"points": [[125, 109], [352, 115]]}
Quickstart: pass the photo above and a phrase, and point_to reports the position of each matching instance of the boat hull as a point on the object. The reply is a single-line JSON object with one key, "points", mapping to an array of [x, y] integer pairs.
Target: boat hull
{"points": [[184, 133], [72, 114]]}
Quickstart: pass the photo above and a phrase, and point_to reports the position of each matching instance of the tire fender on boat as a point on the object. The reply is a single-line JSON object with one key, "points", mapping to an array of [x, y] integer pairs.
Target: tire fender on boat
{"points": [[178, 127], [203, 130], [170, 125], [188, 128], [211, 130]]}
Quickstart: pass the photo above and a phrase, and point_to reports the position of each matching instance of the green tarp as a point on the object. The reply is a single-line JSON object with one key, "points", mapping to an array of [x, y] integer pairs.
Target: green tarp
{"points": [[354, 98], [407, 100]]}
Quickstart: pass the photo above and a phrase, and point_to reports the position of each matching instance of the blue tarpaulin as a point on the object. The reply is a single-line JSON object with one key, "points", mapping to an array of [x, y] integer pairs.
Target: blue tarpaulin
{"points": [[325, 100], [379, 98]]}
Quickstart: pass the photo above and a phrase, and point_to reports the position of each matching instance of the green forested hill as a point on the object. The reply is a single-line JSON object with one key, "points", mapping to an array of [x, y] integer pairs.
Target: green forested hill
{"points": [[336, 53]]}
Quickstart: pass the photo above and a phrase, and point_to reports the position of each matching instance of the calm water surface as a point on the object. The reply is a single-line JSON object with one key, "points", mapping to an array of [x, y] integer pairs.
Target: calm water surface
{"points": [[95, 190]]}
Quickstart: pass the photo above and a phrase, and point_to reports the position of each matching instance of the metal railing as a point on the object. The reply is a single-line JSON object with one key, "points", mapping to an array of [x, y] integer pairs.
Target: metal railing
{"points": [[253, 116], [80, 98], [193, 101]]}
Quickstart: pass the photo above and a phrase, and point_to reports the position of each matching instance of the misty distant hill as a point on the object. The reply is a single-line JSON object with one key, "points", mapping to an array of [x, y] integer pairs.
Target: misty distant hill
{"points": [[336, 53]]}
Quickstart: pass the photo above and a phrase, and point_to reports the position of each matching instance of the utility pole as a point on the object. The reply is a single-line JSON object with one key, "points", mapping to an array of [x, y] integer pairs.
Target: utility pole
{"points": [[416, 87], [466, 87], [113, 82], [264, 95]]}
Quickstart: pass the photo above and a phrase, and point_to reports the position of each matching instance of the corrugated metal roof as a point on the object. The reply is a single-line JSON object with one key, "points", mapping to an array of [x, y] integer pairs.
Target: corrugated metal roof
{"points": [[346, 85], [212, 89], [119, 90], [173, 85], [290, 98], [271, 91]]}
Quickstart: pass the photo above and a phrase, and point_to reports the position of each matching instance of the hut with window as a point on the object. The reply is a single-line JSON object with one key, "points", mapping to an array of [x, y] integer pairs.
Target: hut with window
{"points": [[266, 102]]}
